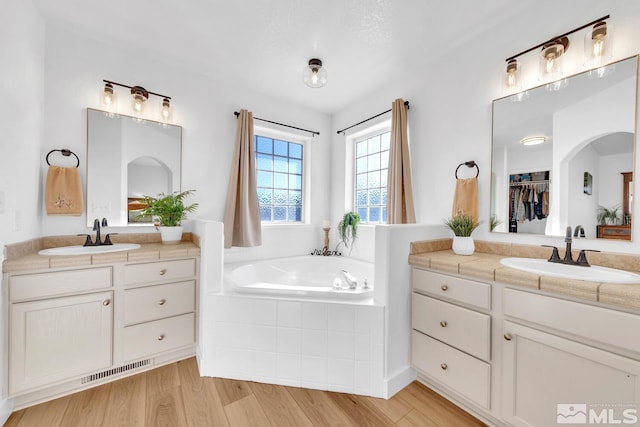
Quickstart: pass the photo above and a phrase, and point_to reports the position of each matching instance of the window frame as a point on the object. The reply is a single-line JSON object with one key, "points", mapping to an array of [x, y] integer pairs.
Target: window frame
{"points": [[306, 171], [350, 175]]}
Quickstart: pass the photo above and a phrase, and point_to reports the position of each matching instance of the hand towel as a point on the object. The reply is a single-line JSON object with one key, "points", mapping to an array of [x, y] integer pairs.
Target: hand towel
{"points": [[63, 191], [465, 199]]}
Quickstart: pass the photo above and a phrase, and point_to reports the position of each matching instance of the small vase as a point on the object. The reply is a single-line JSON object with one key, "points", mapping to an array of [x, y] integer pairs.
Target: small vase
{"points": [[170, 235], [463, 245]]}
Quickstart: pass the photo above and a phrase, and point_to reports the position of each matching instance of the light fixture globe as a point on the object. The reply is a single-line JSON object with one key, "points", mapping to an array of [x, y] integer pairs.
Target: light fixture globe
{"points": [[139, 96], [551, 59], [314, 75]]}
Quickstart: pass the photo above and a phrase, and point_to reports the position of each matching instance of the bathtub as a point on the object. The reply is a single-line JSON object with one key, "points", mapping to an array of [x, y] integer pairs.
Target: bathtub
{"points": [[305, 276]]}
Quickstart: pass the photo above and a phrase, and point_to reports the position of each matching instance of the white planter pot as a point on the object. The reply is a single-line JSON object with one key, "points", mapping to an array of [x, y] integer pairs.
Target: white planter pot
{"points": [[170, 235], [463, 245]]}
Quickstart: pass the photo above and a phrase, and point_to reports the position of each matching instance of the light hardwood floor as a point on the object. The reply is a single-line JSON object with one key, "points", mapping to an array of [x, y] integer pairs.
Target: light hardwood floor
{"points": [[175, 395]]}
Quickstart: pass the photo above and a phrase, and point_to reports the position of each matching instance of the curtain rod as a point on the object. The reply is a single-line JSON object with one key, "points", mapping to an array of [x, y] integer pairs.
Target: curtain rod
{"points": [[314, 133], [406, 103]]}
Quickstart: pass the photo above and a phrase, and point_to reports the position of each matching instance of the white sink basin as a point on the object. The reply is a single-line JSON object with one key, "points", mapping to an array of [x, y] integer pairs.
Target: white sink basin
{"points": [[89, 250], [592, 274]]}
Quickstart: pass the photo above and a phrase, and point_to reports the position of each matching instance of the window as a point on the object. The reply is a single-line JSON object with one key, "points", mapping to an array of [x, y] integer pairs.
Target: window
{"points": [[279, 174], [371, 164]]}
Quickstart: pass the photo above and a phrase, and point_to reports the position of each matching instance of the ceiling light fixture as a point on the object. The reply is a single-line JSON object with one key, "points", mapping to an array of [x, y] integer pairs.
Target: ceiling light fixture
{"points": [[551, 59], [139, 97], [533, 140], [314, 75], [512, 81]]}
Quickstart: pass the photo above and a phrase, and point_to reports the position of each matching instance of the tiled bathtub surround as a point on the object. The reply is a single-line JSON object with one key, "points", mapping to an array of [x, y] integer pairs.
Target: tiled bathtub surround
{"points": [[319, 345], [485, 264]]}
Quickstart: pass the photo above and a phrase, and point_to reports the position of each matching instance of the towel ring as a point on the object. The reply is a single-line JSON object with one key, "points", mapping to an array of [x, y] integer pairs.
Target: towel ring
{"points": [[65, 152], [468, 164]]}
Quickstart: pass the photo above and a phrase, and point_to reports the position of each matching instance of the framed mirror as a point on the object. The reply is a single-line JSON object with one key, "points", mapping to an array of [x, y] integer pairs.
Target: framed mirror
{"points": [[576, 167], [128, 158]]}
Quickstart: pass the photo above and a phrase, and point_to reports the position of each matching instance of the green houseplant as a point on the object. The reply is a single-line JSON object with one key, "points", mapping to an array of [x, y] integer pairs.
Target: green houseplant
{"points": [[348, 228], [608, 215], [462, 227], [168, 211]]}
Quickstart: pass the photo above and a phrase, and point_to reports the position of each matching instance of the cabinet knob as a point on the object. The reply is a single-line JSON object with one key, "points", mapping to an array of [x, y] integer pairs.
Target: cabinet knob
{"points": [[444, 366], [444, 288], [162, 301], [160, 337], [508, 337], [163, 271], [106, 302], [443, 324]]}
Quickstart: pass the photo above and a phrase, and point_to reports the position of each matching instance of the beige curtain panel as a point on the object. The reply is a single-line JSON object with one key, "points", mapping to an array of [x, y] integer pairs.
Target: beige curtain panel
{"points": [[242, 213], [400, 208]]}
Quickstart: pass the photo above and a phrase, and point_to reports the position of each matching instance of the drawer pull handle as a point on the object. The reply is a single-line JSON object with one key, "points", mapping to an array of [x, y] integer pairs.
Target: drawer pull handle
{"points": [[508, 337], [163, 271], [444, 366], [443, 324], [106, 302], [160, 337], [162, 301], [444, 288]]}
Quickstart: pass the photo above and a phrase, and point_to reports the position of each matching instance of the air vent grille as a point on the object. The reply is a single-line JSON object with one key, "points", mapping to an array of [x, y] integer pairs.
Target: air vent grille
{"points": [[115, 371]]}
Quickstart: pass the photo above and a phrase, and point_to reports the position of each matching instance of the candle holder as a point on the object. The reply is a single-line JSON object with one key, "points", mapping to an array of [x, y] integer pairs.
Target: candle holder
{"points": [[325, 250]]}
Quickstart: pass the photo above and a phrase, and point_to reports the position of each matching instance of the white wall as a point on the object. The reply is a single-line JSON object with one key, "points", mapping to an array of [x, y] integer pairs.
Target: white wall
{"points": [[21, 121], [584, 206], [204, 106], [610, 182]]}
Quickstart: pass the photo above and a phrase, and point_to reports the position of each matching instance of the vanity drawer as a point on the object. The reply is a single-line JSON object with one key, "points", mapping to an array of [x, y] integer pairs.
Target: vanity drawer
{"points": [[459, 327], [462, 373], [454, 288], [147, 339], [161, 270], [37, 285], [157, 302]]}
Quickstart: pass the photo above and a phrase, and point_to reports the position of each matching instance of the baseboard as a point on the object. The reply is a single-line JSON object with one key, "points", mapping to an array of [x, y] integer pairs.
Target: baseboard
{"points": [[6, 408], [398, 382]]}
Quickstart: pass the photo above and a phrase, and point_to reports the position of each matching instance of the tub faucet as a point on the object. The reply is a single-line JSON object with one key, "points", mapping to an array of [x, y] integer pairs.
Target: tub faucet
{"points": [[351, 281]]}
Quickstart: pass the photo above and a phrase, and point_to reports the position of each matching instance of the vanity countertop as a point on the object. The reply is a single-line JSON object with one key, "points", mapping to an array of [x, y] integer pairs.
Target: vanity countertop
{"points": [[29, 259], [484, 264]]}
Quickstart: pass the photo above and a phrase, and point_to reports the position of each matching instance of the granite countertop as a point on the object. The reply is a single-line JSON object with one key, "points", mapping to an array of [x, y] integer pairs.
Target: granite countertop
{"points": [[24, 256], [484, 264]]}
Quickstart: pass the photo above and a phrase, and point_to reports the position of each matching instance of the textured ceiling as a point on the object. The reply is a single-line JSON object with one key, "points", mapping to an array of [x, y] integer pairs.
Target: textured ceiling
{"points": [[264, 44]]}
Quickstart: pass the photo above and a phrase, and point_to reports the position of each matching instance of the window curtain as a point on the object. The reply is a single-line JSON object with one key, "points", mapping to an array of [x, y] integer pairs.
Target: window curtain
{"points": [[242, 213], [400, 209]]}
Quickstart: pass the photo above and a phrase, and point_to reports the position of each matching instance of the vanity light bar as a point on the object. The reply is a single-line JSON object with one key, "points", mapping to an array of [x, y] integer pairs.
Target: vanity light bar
{"points": [[139, 97]]}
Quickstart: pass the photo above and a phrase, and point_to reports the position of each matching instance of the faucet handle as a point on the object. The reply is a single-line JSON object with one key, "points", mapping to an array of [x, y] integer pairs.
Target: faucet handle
{"points": [[107, 239], [582, 257], [88, 241], [555, 256]]}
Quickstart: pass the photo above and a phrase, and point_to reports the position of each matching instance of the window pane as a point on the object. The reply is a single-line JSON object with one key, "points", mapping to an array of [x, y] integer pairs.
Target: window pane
{"points": [[374, 144], [374, 196], [265, 196], [280, 180], [295, 213], [295, 198], [384, 214], [295, 166], [265, 161], [384, 140], [363, 214], [295, 150], [280, 148], [264, 145], [384, 159], [280, 164], [280, 197], [279, 213], [361, 181], [384, 196], [374, 162], [265, 179], [361, 165], [361, 198], [373, 179], [361, 149], [295, 182], [384, 175], [371, 176], [374, 214], [265, 213]]}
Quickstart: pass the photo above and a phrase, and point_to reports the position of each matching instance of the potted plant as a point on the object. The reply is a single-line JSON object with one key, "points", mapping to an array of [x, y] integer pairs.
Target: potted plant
{"points": [[168, 211], [608, 216], [462, 226], [348, 228]]}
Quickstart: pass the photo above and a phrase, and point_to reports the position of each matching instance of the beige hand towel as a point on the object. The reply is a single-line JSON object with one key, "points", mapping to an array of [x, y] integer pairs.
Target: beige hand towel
{"points": [[465, 199], [63, 191]]}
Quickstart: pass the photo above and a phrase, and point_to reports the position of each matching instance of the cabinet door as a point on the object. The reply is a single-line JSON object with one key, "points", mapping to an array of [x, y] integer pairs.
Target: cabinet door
{"points": [[57, 339], [544, 376]]}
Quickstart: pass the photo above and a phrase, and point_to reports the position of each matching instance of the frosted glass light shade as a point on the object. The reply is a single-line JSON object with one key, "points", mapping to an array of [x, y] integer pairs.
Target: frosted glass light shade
{"points": [[165, 111], [109, 98], [512, 82], [598, 45], [551, 61]]}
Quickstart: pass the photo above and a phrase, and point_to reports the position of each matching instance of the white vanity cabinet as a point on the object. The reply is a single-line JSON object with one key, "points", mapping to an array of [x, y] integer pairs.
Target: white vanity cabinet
{"points": [[61, 326], [563, 353], [451, 336]]}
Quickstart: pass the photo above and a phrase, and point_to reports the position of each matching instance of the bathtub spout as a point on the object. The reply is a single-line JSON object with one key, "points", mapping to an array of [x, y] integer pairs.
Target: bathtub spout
{"points": [[351, 281]]}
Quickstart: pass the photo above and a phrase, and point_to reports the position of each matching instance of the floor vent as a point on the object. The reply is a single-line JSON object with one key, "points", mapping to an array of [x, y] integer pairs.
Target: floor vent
{"points": [[115, 371]]}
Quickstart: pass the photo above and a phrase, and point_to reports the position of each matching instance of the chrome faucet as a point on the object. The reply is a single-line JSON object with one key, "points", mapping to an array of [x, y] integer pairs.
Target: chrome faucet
{"points": [[351, 281]]}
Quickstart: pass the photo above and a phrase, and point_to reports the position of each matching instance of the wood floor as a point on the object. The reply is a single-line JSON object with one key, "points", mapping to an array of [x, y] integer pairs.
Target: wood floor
{"points": [[175, 395]]}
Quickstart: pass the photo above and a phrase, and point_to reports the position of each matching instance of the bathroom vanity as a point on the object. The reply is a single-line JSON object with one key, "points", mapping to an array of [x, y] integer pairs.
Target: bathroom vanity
{"points": [[73, 322], [510, 346]]}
